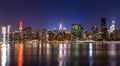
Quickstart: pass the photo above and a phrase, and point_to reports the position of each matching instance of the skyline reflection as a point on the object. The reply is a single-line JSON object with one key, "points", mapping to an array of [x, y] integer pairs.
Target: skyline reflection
{"points": [[59, 54], [20, 54], [5, 54]]}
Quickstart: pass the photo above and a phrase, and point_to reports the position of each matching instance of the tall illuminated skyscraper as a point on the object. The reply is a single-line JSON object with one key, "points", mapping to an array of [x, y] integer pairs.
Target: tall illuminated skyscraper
{"points": [[8, 32], [4, 34], [20, 26], [20, 29], [112, 27], [60, 27]]}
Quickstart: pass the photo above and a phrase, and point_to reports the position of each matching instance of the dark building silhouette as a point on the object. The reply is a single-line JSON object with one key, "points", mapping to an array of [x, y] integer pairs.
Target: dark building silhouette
{"points": [[44, 35], [51, 35], [16, 36], [37, 35], [116, 35], [104, 29], [28, 35]]}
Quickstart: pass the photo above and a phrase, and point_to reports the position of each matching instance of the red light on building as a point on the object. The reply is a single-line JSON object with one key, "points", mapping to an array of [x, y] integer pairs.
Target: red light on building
{"points": [[20, 26]]}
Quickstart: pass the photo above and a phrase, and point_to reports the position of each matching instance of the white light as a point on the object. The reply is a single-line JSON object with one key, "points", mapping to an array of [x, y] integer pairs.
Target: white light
{"points": [[64, 28], [60, 27], [90, 49], [112, 27], [112, 49], [60, 63], [48, 45], [8, 32], [4, 33], [3, 57], [60, 50]]}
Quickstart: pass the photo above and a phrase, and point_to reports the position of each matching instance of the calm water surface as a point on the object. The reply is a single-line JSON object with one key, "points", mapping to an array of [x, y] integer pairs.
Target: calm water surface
{"points": [[60, 54]]}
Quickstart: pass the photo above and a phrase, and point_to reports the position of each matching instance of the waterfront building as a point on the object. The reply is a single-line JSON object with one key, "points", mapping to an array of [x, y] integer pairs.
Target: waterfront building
{"points": [[76, 31], [65, 30], [60, 36], [37, 35], [55, 32], [21, 29], [94, 32], [60, 27], [20, 26], [27, 33], [99, 36], [67, 36], [104, 29], [8, 33], [84, 35], [116, 35], [112, 27], [0, 36], [3, 34], [44, 35], [50, 35], [16, 36]]}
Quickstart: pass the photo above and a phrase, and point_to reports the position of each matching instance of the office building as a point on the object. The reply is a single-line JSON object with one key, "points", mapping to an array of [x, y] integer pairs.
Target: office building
{"points": [[104, 29], [76, 31]]}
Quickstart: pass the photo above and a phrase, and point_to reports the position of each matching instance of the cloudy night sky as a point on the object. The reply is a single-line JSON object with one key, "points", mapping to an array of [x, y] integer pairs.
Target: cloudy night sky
{"points": [[50, 13]]}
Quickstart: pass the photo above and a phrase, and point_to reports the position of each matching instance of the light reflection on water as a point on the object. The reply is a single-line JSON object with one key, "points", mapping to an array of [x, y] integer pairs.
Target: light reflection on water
{"points": [[60, 54], [5, 53], [20, 54]]}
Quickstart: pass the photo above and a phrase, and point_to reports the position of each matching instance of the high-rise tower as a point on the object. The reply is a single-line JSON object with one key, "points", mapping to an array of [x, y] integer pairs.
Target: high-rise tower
{"points": [[20, 29], [4, 34], [8, 32], [60, 27], [112, 27], [20, 26], [104, 29]]}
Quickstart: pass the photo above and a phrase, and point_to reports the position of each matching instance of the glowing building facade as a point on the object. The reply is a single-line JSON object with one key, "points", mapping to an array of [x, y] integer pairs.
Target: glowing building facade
{"points": [[4, 34], [76, 30], [20, 26], [112, 27], [8, 32], [60, 27]]}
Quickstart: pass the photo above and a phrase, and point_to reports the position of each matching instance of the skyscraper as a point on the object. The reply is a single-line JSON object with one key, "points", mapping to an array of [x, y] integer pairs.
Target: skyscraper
{"points": [[28, 35], [21, 30], [20, 26], [112, 27], [60, 27], [8, 32], [94, 32], [76, 30], [4, 34], [104, 29]]}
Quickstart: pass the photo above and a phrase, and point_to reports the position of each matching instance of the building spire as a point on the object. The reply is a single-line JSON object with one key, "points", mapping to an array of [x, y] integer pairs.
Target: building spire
{"points": [[20, 26], [60, 27]]}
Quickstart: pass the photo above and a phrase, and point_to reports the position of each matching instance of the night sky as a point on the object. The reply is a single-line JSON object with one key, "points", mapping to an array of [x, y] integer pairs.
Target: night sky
{"points": [[50, 13]]}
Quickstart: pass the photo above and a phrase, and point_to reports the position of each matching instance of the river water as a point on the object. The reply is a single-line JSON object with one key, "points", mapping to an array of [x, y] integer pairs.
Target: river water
{"points": [[59, 54]]}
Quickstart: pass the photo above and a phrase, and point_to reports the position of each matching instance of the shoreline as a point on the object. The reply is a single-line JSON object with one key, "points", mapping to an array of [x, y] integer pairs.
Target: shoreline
{"points": [[82, 42]]}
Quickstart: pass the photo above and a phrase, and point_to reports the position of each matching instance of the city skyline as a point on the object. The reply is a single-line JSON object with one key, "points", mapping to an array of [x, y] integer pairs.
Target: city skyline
{"points": [[60, 27], [49, 14]]}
